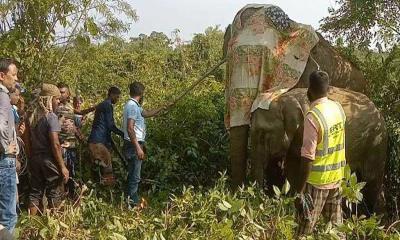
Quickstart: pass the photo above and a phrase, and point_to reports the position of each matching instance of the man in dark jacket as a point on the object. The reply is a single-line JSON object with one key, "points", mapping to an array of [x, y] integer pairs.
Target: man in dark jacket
{"points": [[100, 141]]}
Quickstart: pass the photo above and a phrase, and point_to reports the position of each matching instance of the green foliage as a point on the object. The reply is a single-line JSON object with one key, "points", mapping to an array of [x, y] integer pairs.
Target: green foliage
{"points": [[381, 71], [365, 228], [189, 144], [192, 213], [32, 30], [362, 22], [383, 75], [351, 189]]}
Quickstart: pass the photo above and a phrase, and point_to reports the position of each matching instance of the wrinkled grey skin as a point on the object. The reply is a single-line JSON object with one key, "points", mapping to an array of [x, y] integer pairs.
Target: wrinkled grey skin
{"points": [[276, 137], [342, 74]]}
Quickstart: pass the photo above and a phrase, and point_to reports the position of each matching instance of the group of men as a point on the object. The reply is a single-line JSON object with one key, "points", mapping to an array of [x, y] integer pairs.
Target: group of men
{"points": [[51, 131]]}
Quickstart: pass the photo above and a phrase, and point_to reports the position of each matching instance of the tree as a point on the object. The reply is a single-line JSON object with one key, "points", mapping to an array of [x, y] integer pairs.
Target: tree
{"points": [[38, 33], [363, 22]]}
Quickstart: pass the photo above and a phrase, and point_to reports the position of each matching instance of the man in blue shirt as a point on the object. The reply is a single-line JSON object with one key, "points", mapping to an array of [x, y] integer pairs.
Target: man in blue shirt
{"points": [[134, 128], [100, 141]]}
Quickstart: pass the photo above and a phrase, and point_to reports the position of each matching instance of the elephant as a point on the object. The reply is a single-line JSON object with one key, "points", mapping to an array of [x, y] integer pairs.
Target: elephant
{"points": [[321, 55], [277, 133]]}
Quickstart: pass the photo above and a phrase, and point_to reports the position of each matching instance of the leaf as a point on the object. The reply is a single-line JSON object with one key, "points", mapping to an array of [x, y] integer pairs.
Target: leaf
{"points": [[286, 187], [243, 212], [347, 172], [64, 225], [361, 185], [236, 205], [353, 180], [43, 232], [277, 191], [155, 236], [226, 204], [359, 196], [258, 226], [222, 207], [162, 236], [91, 27]]}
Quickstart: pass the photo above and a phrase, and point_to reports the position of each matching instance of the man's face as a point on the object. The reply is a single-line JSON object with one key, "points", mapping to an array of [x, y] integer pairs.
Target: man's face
{"points": [[77, 103], [141, 99], [64, 94], [14, 97], [10, 78], [114, 98], [55, 102]]}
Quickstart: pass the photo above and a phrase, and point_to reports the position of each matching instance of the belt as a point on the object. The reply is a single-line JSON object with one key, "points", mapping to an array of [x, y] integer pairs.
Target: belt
{"points": [[129, 142]]}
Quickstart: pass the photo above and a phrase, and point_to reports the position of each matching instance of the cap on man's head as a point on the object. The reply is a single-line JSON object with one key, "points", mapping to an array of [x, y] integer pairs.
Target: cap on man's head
{"points": [[49, 90]]}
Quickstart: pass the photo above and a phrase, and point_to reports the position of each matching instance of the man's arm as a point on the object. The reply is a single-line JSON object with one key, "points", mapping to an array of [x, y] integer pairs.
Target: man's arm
{"points": [[109, 118], [9, 148], [305, 169], [56, 149], [158, 111], [132, 137], [85, 111], [151, 113]]}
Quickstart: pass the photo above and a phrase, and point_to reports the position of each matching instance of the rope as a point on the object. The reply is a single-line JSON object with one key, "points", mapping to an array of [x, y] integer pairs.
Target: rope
{"points": [[318, 67], [22, 157]]}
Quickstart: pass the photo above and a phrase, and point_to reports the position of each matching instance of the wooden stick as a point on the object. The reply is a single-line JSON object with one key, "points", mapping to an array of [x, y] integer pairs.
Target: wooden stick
{"points": [[195, 84]]}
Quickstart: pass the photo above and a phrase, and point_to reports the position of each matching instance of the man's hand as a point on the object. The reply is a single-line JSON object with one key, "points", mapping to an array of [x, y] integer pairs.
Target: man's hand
{"points": [[298, 204], [81, 138], [140, 153], [21, 129], [65, 145], [12, 149], [65, 174], [68, 126]]}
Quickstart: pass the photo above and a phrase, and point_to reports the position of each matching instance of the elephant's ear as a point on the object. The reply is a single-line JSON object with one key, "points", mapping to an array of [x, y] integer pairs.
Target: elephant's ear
{"points": [[227, 38], [292, 115]]}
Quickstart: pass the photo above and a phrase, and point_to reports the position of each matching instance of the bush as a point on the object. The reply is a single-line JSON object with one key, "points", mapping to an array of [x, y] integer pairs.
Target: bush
{"points": [[192, 213]]}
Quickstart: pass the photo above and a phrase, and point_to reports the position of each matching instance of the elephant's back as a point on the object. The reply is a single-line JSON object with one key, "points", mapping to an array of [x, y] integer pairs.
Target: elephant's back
{"points": [[366, 136], [360, 111]]}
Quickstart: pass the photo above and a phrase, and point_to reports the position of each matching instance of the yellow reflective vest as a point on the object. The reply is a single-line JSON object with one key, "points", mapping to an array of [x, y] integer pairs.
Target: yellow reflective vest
{"points": [[330, 157]]}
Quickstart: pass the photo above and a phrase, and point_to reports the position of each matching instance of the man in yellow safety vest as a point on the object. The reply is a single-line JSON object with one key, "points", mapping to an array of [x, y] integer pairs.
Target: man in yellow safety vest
{"points": [[322, 157]]}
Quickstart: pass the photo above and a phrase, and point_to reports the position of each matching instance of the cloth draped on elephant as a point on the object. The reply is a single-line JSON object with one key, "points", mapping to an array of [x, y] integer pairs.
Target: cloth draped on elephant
{"points": [[267, 54]]}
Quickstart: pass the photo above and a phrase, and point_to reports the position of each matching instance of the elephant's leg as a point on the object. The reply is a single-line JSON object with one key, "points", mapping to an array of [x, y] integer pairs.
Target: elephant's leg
{"points": [[238, 153], [258, 155], [372, 172], [373, 197]]}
